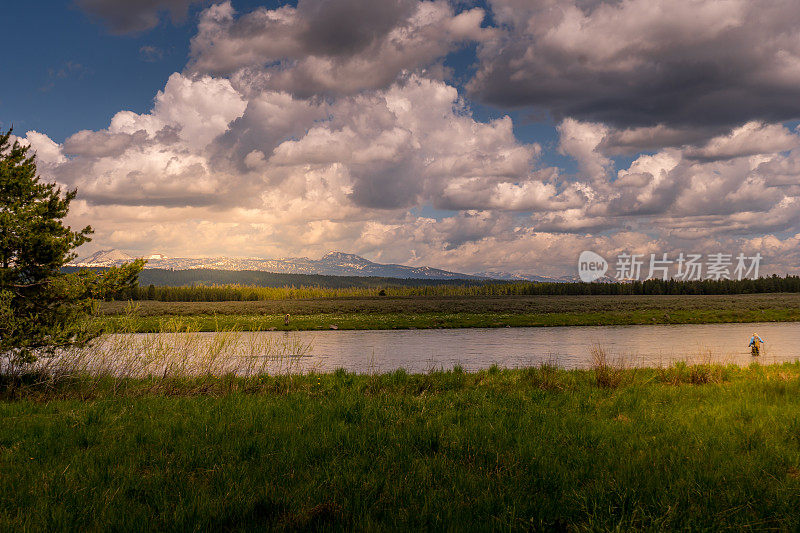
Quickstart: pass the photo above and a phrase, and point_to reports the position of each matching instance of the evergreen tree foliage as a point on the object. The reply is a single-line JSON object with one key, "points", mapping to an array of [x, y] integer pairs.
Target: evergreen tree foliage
{"points": [[42, 308]]}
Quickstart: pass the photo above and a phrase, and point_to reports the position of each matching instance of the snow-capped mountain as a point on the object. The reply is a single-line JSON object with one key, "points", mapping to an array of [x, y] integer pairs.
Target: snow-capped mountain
{"points": [[331, 264], [512, 276], [104, 258]]}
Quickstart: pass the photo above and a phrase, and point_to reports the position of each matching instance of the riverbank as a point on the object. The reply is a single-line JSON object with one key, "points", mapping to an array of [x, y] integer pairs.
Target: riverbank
{"points": [[447, 312], [685, 447]]}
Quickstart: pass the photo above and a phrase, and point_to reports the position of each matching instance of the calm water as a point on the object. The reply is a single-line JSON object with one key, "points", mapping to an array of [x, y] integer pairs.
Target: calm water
{"points": [[423, 350]]}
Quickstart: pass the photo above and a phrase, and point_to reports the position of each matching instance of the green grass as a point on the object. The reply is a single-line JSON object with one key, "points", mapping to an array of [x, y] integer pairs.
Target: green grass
{"points": [[699, 447], [449, 312]]}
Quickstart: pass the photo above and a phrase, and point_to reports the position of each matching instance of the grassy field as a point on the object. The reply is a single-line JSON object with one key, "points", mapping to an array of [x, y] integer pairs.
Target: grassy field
{"points": [[702, 447], [449, 312]]}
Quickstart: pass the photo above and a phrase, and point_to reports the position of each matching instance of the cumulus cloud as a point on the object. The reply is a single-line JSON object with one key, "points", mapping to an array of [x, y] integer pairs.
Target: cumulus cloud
{"points": [[331, 46], [276, 175], [287, 136], [126, 16], [581, 141], [742, 183], [652, 138], [407, 145], [641, 63], [750, 139], [353, 158], [47, 151], [155, 158]]}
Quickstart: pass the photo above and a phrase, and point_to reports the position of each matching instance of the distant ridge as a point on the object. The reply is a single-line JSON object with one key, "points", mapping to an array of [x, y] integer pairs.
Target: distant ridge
{"points": [[104, 258], [331, 264], [510, 276]]}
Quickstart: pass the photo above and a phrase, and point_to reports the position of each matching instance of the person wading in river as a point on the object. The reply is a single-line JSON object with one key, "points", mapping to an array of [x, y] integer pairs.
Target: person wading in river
{"points": [[755, 344]]}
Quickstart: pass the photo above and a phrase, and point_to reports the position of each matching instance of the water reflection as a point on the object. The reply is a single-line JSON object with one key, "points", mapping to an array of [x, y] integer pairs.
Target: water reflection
{"points": [[473, 349]]}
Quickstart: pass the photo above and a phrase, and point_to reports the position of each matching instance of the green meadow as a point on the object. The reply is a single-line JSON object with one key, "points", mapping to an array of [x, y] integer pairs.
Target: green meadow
{"points": [[685, 447], [422, 312], [91, 444]]}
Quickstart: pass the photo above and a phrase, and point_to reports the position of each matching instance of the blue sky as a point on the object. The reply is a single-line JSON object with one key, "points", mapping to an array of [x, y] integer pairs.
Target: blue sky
{"points": [[291, 129], [70, 73]]}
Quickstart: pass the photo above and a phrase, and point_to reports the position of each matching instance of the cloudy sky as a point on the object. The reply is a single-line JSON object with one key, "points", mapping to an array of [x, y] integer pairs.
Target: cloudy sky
{"points": [[498, 135]]}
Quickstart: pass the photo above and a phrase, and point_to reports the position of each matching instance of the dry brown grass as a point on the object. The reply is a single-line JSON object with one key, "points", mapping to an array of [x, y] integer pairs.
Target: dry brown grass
{"points": [[610, 372], [171, 358]]}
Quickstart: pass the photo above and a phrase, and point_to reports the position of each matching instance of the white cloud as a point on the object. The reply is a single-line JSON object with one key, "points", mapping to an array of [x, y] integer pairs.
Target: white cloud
{"points": [[273, 162], [581, 141], [331, 47], [247, 164], [752, 138], [197, 109], [47, 151], [288, 176]]}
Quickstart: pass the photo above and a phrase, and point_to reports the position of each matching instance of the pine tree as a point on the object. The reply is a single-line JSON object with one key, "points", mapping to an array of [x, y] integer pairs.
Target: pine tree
{"points": [[43, 309]]}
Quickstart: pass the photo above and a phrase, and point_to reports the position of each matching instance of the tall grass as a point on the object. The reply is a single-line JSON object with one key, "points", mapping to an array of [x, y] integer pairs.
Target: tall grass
{"points": [[700, 370], [545, 376], [175, 355], [185, 361], [609, 371], [238, 292], [536, 449]]}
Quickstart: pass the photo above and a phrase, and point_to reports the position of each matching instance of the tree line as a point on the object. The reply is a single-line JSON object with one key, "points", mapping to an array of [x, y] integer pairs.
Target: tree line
{"points": [[379, 287]]}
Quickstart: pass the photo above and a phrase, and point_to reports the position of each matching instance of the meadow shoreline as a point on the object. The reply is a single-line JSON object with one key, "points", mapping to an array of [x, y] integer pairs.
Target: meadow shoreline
{"points": [[539, 448], [688, 446], [447, 312]]}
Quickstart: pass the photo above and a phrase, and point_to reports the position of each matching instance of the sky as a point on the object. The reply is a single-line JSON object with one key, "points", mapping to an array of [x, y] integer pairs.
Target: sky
{"points": [[505, 135]]}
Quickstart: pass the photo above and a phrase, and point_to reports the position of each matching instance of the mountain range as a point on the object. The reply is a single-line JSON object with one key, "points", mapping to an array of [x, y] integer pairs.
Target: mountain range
{"points": [[331, 264]]}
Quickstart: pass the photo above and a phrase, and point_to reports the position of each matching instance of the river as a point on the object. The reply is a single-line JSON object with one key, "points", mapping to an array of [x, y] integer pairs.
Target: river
{"points": [[424, 350]]}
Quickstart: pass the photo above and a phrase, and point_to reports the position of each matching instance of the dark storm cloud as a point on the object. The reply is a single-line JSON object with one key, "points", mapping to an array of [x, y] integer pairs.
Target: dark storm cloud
{"points": [[331, 47], [653, 138], [129, 16], [644, 62], [385, 185], [336, 27]]}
